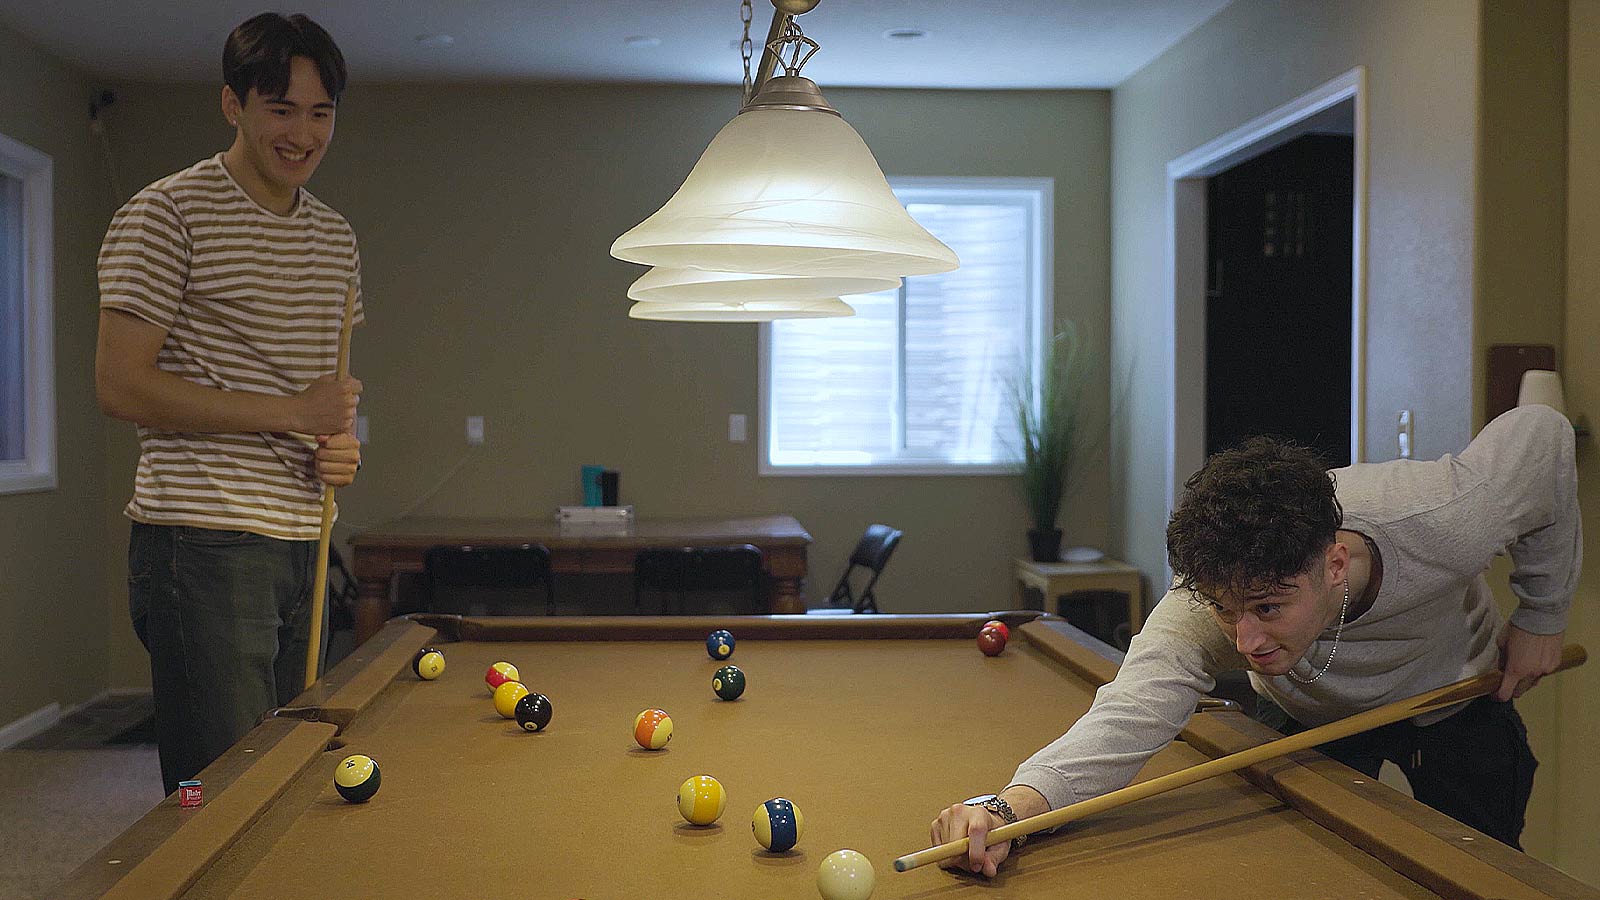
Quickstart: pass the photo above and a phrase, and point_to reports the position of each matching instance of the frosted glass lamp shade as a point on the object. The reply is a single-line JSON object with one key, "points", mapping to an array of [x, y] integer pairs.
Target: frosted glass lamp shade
{"points": [[753, 311], [1542, 386], [735, 287], [786, 192]]}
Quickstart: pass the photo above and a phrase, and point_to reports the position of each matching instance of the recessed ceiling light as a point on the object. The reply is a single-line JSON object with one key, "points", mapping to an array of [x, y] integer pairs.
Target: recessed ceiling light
{"points": [[905, 34], [435, 40], [638, 41]]}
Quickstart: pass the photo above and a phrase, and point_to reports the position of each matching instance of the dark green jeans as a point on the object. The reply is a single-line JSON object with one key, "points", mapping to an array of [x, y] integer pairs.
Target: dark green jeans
{"points": [[226, 617]]}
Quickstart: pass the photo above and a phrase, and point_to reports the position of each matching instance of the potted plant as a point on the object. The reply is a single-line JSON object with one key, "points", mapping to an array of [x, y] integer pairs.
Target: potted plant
{"points": [[1047, 414]]}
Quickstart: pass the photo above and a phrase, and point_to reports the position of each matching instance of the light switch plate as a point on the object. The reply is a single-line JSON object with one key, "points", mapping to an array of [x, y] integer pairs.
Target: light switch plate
{"points": [[474, 430], [737, 432]]}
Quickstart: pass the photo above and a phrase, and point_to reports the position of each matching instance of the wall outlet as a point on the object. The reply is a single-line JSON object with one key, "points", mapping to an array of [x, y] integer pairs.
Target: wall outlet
{"points": [[737, 432], [1403, 433], [474, 430], [361, 429]]}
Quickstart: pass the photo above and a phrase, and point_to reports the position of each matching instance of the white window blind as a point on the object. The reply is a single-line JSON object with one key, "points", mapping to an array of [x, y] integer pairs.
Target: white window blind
{"points": [[27, 379], [921, 379], [13, 412]]}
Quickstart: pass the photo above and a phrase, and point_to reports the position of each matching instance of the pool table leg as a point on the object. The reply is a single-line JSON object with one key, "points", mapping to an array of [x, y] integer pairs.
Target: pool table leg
{"points": [[786, 597], [372, 607]]}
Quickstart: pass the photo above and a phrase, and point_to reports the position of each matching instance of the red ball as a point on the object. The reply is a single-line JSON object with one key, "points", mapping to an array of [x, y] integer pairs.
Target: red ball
{"points": [[991, 642], [999, 626]]}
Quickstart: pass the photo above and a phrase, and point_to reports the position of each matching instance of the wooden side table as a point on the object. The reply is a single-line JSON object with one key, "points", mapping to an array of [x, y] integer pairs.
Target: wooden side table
{"points": [[1054, 579]]}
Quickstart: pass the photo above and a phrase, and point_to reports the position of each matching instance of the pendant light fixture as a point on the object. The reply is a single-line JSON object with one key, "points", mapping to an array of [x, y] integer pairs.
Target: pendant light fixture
{"points": [[785, 211]]}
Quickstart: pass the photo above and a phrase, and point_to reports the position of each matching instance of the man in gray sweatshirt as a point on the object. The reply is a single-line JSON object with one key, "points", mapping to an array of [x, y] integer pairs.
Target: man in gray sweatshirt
{"points": [[1341, 591]]}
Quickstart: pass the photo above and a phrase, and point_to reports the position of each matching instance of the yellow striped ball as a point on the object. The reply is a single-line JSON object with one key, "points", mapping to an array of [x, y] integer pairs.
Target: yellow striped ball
{"points": [[701, 800]]}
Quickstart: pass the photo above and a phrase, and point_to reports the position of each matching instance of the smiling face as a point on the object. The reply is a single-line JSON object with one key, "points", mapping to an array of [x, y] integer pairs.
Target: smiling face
{"points": [[1275, 626], [280, 140]]}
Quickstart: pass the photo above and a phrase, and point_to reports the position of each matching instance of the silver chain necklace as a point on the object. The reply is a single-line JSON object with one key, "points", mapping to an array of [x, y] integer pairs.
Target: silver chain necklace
{"points": [[1343, 608]]}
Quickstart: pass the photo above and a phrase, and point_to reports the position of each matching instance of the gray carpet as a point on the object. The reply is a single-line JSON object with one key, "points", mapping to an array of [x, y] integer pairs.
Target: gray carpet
{"points": [[66, 793]]}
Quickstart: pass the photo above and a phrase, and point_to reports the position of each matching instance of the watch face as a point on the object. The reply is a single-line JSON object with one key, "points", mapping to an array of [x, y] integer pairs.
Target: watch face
{"points": [[979, 800]]}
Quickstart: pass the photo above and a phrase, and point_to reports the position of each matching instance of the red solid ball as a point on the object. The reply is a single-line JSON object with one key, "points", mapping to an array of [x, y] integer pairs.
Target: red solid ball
{"points": [[999, 626], [991, 642]]}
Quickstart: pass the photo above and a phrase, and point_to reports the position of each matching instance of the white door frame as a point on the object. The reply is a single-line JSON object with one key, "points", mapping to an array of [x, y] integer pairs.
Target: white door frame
{"points": [[1186, 266]]}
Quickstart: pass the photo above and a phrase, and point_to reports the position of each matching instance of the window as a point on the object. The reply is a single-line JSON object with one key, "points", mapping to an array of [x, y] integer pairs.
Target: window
{"points": [[920, 380], [27, 389]]}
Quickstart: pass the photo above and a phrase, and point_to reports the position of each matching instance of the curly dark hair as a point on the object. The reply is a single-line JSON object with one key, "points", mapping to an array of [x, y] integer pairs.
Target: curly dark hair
{"points": [[1253, 518]]}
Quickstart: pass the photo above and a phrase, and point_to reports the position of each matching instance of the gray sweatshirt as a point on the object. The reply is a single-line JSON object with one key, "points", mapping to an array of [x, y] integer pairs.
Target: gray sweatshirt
{"points": [[1437, 526]]}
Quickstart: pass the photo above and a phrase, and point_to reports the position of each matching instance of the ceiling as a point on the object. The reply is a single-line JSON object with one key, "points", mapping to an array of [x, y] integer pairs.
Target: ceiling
{"points": [[967, 43]]}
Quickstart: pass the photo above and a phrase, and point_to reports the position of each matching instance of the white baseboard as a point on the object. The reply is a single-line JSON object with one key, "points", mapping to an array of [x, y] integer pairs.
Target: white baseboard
{"points": [[36, 722], [46, 718]]}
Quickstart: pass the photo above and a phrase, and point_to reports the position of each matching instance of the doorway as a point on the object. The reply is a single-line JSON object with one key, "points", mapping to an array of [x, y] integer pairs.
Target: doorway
{"points": [[1258, 397]]}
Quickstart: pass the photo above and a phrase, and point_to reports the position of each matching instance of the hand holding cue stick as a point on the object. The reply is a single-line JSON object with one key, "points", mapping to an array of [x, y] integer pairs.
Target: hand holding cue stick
{"points": [[319, 587], [1571, 656]]}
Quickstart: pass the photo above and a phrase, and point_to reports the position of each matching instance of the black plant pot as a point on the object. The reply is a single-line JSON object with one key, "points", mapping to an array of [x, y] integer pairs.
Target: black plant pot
{"points": [[1046, 545]]}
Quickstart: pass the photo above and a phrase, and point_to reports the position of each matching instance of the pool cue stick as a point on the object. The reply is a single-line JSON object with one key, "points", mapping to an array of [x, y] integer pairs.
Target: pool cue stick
{"points": [[319, 588], [1572, 655]]}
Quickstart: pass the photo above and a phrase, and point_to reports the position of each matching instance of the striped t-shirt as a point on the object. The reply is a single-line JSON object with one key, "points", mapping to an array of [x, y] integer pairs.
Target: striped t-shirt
{"points": [[251, 301]]}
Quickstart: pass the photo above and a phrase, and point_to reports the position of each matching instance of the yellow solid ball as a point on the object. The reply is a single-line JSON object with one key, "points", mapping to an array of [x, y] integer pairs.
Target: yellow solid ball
{"points": [[506, 697], [845, 875], [701, 800]]}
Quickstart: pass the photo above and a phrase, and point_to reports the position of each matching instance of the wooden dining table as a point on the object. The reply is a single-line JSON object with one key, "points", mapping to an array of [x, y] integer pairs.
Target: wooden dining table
{"points": [[381, 554]]}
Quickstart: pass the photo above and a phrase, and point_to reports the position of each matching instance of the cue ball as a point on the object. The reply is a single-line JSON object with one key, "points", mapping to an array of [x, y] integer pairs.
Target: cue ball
{"points": [[506, 697], [428, 664], [533, 712], [719, 644], [357, 778], [999, 626], [778, 825], [499, 673], [991, 642], [728, 682], [845, 875], [701, 800], [652, 729]]}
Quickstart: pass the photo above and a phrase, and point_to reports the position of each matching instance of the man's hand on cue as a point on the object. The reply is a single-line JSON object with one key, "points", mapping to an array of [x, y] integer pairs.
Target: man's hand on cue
{"points": [[1524, 659], [975, 823], [338, 458]]}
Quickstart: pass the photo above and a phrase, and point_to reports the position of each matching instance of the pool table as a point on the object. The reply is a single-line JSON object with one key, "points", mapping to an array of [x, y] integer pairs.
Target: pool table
{"points": [[870, 724]]}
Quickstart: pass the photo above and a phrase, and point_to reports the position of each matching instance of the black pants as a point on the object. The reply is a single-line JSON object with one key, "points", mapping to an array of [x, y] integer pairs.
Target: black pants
{"points": [[226, 617], [1475, 766]]}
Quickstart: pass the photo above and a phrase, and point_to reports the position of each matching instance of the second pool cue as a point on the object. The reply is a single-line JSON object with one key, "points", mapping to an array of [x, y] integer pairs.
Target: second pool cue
{"points": [[319, 587], [1438, 698]]}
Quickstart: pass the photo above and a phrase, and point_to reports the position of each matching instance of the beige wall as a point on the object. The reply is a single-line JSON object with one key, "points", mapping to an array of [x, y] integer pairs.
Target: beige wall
{"points": [[1421, 59], [1522, 175], [485, 215], [1575, 693], [52, 559]]}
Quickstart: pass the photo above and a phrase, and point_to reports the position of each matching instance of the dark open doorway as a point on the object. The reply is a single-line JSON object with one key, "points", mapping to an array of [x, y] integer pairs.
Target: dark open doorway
{"points": [[1278, 298]]}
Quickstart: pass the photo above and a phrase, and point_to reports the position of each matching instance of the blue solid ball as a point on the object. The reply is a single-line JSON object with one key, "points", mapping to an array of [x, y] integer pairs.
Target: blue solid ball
{"points": [[719, 644]]}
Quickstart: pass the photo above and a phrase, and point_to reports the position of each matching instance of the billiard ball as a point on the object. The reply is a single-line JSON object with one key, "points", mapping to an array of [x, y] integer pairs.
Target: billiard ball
{"points": [[357, 778], [728, 682], [652, 729], [701, 800], [500, 673], [991, 642], [845, 875], [533, 712], [999, 626], [719, 644], [428, 664], [778, 825], [506, 697]]}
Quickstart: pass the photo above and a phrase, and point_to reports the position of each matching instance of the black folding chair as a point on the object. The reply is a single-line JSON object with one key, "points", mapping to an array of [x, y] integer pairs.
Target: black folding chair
{"points": [[503, 568], [679, 570], [872, 553]]}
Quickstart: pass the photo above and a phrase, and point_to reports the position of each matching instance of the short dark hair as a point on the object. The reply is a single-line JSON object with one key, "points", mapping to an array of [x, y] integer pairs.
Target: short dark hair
{"points": [[1253, 518], [258, 55]]}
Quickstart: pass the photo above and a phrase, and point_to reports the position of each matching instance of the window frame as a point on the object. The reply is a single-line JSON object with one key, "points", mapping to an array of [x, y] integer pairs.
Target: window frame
{"points": [[1040, 323], [36, 471]]}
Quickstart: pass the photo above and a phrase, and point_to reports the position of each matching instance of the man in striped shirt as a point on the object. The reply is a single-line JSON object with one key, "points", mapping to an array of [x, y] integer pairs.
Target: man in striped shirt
{"points": [[221, 301]]}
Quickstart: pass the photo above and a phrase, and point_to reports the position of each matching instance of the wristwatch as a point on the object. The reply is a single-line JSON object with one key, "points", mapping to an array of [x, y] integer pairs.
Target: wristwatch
{"points": [[994, 804]]}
